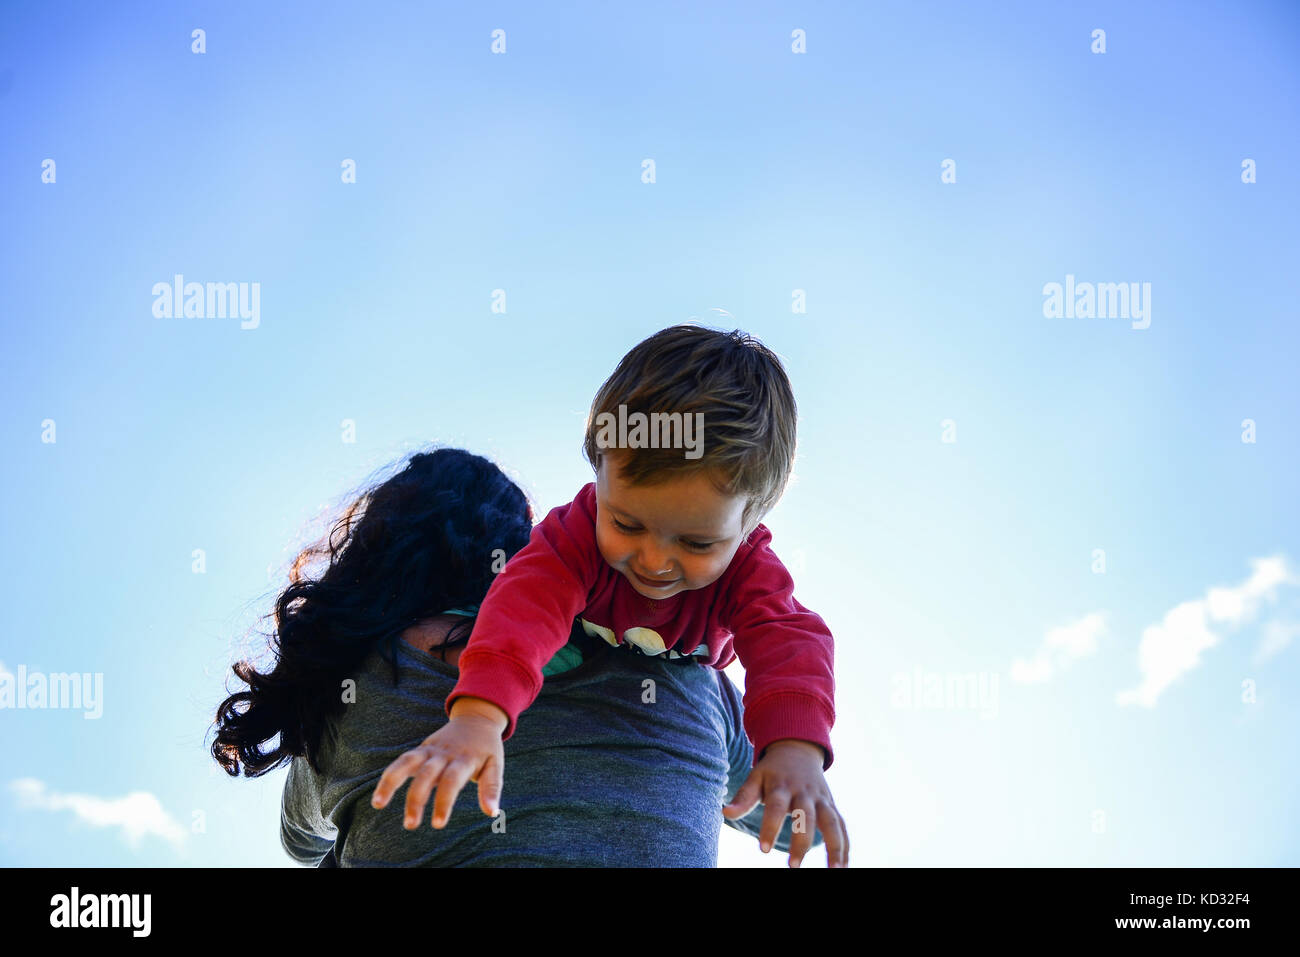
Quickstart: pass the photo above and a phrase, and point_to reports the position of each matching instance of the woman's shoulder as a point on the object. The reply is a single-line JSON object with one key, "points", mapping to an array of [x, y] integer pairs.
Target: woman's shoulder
{"points": [[396, 676]]}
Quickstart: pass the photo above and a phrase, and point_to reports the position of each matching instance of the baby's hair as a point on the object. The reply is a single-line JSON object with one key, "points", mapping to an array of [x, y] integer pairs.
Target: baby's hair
{"points": [[740, 387]]}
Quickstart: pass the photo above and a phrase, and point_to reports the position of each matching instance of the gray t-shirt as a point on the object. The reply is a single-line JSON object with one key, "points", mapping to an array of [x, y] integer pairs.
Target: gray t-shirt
{"points": [[624, 761]]}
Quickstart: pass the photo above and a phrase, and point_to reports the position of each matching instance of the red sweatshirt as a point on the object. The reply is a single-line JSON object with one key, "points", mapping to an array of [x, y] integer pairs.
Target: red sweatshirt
{"points": [[750, 612]]}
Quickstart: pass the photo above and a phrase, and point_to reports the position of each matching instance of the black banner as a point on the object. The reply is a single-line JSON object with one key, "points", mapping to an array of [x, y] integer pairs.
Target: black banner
{"points": [[1229, 906]]}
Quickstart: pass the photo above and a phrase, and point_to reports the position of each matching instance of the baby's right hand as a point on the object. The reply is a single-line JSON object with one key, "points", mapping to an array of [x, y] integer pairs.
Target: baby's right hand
{"points": [[467, 748]]}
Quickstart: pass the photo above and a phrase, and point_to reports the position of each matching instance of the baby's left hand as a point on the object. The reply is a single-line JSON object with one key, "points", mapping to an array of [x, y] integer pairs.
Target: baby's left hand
{"points": [[788, 779]]}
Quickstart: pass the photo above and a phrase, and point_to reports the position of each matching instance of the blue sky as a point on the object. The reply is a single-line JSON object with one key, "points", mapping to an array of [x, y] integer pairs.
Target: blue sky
{"points": [[962, 455]]}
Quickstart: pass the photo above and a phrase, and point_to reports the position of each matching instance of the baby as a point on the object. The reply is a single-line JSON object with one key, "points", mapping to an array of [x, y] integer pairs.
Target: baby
{"points": [[663, 553]]}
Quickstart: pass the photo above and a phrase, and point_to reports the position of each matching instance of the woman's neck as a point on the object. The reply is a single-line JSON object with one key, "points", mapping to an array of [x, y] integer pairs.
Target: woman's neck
{"points": [[431, 633]]}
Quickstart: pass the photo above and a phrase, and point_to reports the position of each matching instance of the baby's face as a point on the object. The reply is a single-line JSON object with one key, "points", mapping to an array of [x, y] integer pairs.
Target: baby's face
{"points": [[669, 537]]}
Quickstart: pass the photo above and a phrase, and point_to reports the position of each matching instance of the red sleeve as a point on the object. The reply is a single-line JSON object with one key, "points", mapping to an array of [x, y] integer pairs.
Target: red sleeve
{"points": [[787, 652], [528, 612]]}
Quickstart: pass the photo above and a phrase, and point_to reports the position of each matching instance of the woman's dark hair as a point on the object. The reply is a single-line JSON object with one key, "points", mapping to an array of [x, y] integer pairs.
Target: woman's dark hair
{"points": [[424, 541]]}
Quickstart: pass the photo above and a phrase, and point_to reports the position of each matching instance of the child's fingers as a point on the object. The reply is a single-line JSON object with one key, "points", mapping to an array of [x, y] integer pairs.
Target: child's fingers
{"points": [[834, 834], [776, 805], [453, 778], [801, 836], [425, 780], [749, 794], [489, 786], [395, 776]]}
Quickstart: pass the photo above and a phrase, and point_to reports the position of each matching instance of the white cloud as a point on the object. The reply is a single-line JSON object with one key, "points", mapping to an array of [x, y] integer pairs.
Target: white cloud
{"points": [[1173, 647], [137, 814], [1061, 646]]}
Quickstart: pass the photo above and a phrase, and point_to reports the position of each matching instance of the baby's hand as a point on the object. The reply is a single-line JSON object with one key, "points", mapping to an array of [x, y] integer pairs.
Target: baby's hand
{"points": [[467, 748], [788, 779]]}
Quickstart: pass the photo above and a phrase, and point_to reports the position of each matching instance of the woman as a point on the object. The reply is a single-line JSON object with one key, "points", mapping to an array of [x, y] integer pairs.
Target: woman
{"points": [[624, 760]]}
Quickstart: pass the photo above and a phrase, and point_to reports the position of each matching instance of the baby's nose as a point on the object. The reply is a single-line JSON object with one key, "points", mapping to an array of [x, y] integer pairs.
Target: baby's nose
{"points": [[655, 562]]}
